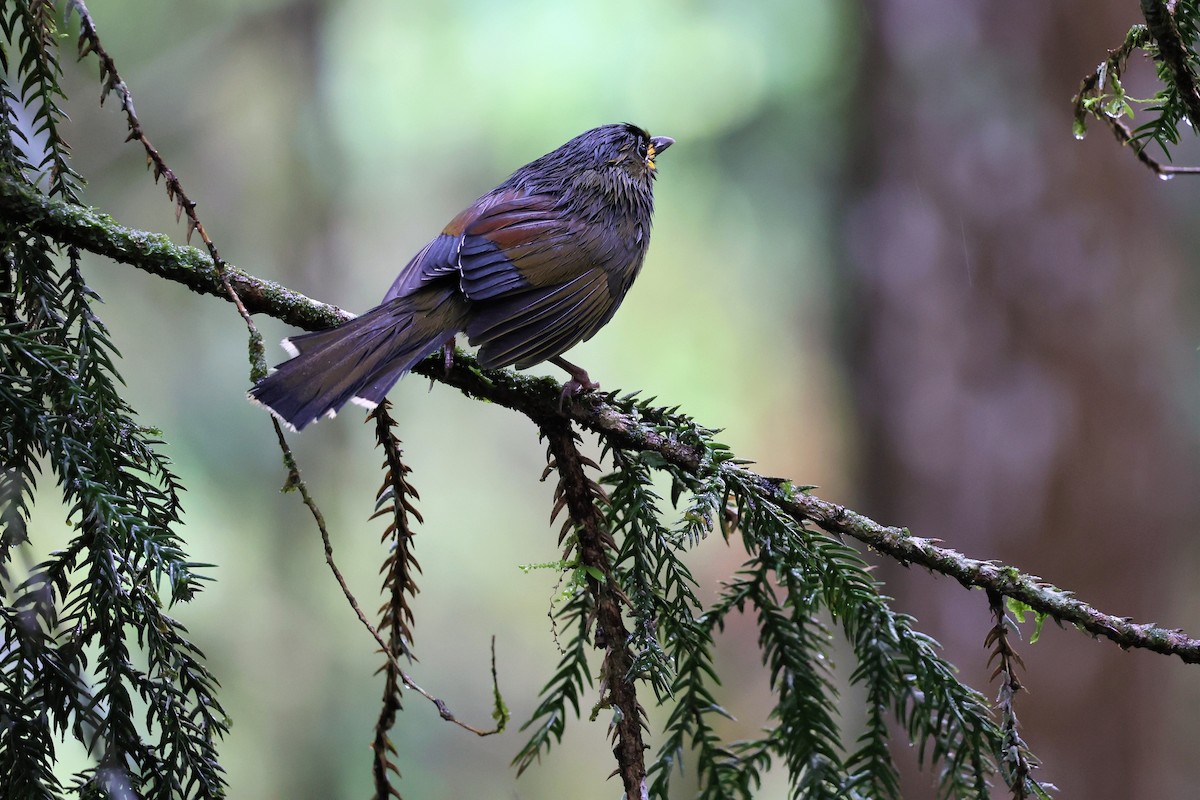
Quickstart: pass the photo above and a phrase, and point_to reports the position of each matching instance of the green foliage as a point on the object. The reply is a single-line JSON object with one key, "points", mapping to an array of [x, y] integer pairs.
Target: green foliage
{"points": [[32, 29], [792, 580], [1169, 37], [1176, 65], [86, 647]]}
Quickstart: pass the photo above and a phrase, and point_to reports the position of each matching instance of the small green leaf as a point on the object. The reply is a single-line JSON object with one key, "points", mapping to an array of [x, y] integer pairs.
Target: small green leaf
{"points": [[1017, 608], [594, 572], [1037, 627]]}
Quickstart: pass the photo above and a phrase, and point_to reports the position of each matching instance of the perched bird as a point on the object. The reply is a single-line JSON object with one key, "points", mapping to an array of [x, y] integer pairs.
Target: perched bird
{"points": [[529, 270]]}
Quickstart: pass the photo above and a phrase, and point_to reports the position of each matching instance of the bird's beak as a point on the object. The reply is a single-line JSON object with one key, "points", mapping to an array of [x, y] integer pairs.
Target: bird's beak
{"points": [[657, 145]]}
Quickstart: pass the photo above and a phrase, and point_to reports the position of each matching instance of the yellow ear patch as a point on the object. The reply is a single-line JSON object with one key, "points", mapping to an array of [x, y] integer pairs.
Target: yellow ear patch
{"points": [[650, 155]]}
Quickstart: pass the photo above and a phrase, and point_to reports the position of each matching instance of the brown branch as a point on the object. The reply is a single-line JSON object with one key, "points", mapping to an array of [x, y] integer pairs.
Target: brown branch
{"points": [[395, 501], [618, 691], [1125, 138], [538, 398], [155, 253]]}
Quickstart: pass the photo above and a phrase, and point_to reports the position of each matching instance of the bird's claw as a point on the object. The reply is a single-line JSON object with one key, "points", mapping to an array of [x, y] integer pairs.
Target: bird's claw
{"points": [[575, 387]]}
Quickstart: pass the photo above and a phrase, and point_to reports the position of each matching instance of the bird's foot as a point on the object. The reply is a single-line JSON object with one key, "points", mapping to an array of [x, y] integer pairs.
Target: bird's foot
{"points": [[574, 388], [580, 382], [447, 360]]}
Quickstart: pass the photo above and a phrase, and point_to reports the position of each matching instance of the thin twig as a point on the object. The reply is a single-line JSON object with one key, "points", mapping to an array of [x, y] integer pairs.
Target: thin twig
{"points": [[395, 501], [538, 398], [89, 42], [1125, 137], [294, 481]]}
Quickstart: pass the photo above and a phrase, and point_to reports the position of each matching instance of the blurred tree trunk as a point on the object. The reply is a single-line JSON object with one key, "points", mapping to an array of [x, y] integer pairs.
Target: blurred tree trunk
{"points": [[1023, 367]]}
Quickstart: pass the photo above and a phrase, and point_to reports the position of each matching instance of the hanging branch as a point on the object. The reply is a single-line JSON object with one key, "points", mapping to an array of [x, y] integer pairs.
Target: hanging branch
{"points": [[594, 546], [1017, 761], [394, 502], [110, 80]]}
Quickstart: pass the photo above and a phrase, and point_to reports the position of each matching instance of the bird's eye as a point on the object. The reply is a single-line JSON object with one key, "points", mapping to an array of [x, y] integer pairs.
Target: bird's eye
{"points": [[642, 146]]}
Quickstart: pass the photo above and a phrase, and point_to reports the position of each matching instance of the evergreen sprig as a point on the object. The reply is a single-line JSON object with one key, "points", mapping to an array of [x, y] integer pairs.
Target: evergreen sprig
{"points": [[949, 722], [32, 29], [394, 502], [1016, 760], [1169, 36], [86, 648], [794, 579]]}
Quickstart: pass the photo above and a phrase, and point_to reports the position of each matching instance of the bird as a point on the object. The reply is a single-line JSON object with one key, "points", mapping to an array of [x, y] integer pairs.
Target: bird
{"points": [[526, 272]]}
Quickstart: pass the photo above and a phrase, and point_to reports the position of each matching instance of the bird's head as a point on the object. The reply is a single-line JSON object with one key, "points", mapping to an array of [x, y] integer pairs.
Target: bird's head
{"points": [[615, 163], [625, 146]]}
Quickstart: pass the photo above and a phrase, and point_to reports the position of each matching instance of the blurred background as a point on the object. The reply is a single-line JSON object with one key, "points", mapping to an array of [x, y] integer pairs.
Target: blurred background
{"points": [[880, 262]]}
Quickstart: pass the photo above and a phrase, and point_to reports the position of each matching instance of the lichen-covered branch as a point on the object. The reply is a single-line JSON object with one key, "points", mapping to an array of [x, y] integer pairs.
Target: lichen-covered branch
{"points": [[91, 230], [620, 422]]}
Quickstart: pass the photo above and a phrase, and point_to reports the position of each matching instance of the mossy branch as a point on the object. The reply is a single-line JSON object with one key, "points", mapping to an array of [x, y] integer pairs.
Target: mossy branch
{"points": [[91, 230], [620, 421]]}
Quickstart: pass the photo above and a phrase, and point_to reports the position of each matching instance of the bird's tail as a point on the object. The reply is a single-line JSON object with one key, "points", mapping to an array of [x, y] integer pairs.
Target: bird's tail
{"points": [[359, 360]]}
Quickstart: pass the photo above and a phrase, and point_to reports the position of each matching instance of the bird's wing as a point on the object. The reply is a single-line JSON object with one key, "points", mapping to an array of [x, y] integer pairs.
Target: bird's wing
{"points": [[539, 281], [523, 242], [435, 261], [501, 211], [529, 327]]}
